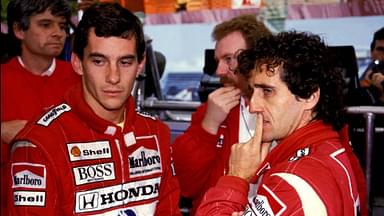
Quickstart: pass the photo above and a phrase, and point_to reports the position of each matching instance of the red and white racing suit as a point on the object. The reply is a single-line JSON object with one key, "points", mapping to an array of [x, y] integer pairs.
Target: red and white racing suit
{"points": [[202, 158], [311, 172], [72, 162]]}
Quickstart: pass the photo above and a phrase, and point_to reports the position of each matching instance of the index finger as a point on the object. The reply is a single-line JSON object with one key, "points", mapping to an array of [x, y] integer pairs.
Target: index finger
{"points": [[257, 137]]}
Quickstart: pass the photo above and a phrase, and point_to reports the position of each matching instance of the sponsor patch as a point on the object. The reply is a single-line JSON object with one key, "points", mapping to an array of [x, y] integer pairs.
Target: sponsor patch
{"points": [[117, 195], [299, 154], [144, 161], [94, 173], [147, 115], [89, 151], [28, 175], [143, 209], [53, 114], [265, 203], [28, 198]]}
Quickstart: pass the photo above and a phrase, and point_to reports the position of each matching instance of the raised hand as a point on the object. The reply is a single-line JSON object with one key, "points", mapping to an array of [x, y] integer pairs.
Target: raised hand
{"points": [[246, 157], [9, 129], [220, 102]]}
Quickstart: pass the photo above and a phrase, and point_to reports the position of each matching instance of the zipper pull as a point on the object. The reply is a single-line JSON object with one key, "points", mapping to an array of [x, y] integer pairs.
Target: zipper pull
{"points": [[220, 141]]}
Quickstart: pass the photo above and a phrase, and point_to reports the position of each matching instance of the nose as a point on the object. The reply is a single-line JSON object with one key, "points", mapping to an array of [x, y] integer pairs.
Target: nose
{"points": [[222, 69], [58, 31], [256, 102], [113, 75]]}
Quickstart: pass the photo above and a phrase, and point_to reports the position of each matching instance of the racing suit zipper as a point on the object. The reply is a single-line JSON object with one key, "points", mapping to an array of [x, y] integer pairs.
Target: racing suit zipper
{"points": [[121, 160]]}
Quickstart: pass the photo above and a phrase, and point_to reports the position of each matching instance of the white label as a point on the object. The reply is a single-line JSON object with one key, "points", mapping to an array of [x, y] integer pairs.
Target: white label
{"points": [[94, 173], [144, 161], [89, 151], [117, 195], [28, 175], [28, 198], [53, 114]]}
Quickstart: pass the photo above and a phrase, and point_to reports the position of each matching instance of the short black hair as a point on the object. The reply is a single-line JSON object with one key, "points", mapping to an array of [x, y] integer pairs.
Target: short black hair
{"points": [[107, 20], [379, 35], [306, 67]]}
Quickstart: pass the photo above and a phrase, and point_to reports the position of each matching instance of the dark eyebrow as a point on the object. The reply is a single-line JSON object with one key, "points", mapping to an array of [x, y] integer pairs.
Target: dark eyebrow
{"points": [[99, 55], [128, 57], [96, 55], [44, 20], [262, 86]]}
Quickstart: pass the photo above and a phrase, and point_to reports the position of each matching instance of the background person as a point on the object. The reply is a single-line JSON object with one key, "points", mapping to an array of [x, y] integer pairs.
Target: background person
{"points": [[93, 154], [34, 80], [201, 154], [373, 77], [298, 99]]}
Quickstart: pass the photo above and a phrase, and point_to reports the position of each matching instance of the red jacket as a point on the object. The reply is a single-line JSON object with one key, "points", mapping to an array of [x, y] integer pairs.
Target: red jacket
{"points": [[72, 162], [200, 157], [311, 172], [24, 96]]}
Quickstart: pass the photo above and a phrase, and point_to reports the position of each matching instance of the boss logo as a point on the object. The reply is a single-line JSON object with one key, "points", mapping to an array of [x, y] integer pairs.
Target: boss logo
{"points": [[117, 195], [89, 151], [94, 173]]}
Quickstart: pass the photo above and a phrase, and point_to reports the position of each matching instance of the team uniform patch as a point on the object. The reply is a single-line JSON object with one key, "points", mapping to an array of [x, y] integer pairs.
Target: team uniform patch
{"points": [[144, 161], [265, 203], [93, 173], [53, 114], [145, 209], [28, 175], [28, 198], [89, 151], [299, 154], [117, 195], [147, 115]]}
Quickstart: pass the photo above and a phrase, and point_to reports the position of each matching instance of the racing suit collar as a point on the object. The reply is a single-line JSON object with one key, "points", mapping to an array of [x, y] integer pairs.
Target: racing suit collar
{"points": [[74, 98]]}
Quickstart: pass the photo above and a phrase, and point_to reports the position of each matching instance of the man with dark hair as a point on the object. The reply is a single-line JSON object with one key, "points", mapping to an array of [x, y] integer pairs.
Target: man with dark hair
{"points": [[34, 80], [93, 154], [373, 77], [201, 154], [297, 97]]}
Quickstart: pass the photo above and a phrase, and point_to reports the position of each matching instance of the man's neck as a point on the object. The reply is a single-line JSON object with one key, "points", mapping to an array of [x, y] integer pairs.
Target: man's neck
{"points": [[36, 64]]}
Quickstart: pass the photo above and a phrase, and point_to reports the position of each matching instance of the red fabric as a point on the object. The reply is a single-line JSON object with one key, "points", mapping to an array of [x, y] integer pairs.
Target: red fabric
{"points": [[74, 146], [24, 96], [328, 169], [199, 161]]}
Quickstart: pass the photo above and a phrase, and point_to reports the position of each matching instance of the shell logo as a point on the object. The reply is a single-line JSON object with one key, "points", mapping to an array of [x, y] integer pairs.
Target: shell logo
{"points": [[75, 151]]}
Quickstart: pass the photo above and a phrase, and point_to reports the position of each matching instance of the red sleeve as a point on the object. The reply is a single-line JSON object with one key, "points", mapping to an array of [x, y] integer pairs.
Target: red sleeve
{"points": [[194, 153], [169, 189], [228, 196], [32, 188]]}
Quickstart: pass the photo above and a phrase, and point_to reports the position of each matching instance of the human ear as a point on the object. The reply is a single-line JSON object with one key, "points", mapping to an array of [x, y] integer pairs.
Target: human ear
{"points": [[18, 31], [76, 64], [313, 99]]}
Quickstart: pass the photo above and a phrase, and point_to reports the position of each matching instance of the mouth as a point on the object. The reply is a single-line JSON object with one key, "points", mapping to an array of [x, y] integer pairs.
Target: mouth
{"points": [[112, 93], [55, 44]]}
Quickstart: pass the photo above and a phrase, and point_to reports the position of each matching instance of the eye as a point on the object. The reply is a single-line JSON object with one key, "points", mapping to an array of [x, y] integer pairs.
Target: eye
{"points": [[45, 24], [126, 62], [98, 61], [267, 91], [63, 26], [227, 59]]}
